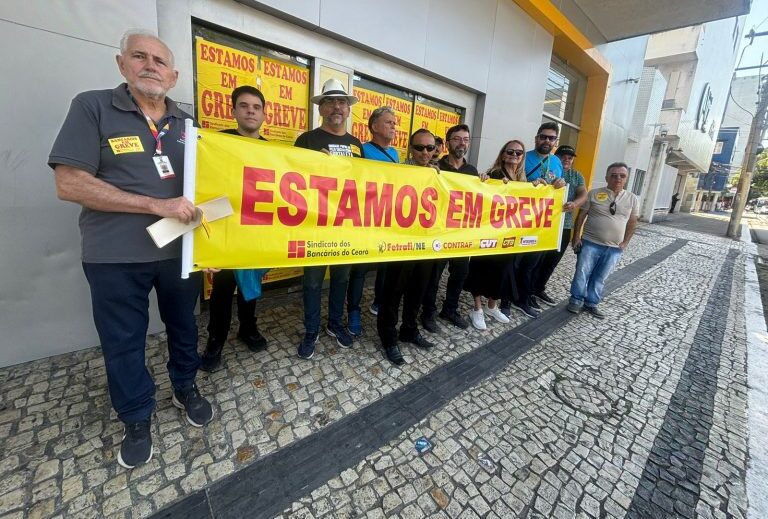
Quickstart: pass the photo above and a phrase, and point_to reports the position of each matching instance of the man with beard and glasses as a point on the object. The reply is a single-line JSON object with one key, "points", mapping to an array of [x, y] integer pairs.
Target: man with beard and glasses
{"points": [[406, 280], [611, 214], [248, 109], [331, 137], [120, 155], [458, 140], [541, 167]]}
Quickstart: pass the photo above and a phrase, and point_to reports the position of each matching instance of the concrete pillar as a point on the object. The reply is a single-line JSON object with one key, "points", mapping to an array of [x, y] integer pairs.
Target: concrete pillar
{"points": [[656, 173]]}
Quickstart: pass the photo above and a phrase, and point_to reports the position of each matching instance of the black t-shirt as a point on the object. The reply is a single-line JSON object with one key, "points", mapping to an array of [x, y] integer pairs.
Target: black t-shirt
{"points": [[233, 131], [343, 145], [466, 168]]}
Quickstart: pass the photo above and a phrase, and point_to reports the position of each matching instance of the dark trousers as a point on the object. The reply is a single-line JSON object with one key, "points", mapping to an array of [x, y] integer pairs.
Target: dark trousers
{"points": [[549, 261], [526, 272], [407, 281], [120, 300], [224, 284], [357, 275], [458, 268], [313, 286]]}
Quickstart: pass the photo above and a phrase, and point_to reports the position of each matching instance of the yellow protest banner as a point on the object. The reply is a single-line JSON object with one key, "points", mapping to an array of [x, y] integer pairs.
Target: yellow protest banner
{"points": [[368, 101], [286, 89], [403, 111], [295, 207], [425, 117], [445, 119], [220, 70]]}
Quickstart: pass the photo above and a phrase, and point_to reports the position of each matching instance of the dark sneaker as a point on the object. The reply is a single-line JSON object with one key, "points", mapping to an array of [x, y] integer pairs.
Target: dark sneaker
{"points": [[255, 340], [374, 309], [137, 445], [506, 308], [428, 322], [210, 360], [354, 324], [544, 298], [198, 409], [574, 308], [307, 346], [594, 311], [394, 355], [526, 309], [455, 319], [419, 341], [533, 304], [343, 339]]}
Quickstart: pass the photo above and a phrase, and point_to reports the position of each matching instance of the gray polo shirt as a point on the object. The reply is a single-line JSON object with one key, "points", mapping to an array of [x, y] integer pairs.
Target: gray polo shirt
{"points": [[601, 226], [106, 135]]}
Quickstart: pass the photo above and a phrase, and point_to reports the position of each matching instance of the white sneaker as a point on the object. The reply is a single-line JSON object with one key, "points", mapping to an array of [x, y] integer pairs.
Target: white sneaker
{"points": [[496, 314], [478, 320]]}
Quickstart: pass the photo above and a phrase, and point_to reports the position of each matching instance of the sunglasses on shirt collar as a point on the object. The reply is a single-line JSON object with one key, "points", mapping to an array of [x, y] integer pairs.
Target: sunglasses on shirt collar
{"points": [[612, 207]]}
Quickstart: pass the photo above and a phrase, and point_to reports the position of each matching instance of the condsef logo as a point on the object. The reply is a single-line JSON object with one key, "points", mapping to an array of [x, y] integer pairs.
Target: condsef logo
{"points": [[297, 249]]}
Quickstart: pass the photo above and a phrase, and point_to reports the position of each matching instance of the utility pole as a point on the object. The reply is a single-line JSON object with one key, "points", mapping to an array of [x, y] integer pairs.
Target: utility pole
{"points": [[745, 178]]}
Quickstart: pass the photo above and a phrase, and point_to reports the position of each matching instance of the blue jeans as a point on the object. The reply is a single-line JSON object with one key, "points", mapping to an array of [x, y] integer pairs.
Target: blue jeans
{"points": [[357, 275], [120, 300], [593, 266], [313, 286]]}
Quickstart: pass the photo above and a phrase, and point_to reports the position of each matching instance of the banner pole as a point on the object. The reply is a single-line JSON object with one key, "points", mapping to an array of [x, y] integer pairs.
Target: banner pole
{"points": [[190, 171], [562, 220]]}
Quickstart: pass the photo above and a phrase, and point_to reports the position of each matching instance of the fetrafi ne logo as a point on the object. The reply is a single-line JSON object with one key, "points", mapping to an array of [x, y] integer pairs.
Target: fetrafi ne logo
{"points": [[297, 249]]}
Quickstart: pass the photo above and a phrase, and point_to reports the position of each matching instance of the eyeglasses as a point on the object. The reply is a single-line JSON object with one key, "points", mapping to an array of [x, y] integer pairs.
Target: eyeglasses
{"points": [[612, 208], [465, 140], [550, 138], [335, 101], [421, 147], [516, 153]]}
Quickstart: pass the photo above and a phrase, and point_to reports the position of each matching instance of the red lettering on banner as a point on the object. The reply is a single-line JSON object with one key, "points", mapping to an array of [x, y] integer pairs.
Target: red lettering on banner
{"points": [[216, 104], [496, 216], [252, 196], [473, 210], [427, 196], [294, 198], [378, 208], [228, 59], [280, 71], [323, 186], [349, 206], [510, 216], [406, 193], [524, 211], [286, 116], [542, 211], [453, 207]]}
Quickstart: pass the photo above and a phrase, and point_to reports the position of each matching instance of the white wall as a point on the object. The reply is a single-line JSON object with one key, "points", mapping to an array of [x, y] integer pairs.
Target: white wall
{"points": [[626, 58], [744, 92], [51, 51]]}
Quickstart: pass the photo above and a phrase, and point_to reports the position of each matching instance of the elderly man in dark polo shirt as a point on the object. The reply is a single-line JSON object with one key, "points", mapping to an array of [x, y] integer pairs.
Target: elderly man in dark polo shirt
{"points": [[120, 155], [458, 141], [610, 213]]}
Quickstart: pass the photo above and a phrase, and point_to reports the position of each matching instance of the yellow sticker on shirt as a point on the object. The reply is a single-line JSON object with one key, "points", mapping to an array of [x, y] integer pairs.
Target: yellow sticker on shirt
{"points": [[355, 150], [601, 197], [126, 145]]}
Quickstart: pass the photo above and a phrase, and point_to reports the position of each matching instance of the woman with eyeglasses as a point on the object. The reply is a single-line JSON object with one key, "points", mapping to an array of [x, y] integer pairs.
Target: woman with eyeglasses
{"points": [[491, 276]]}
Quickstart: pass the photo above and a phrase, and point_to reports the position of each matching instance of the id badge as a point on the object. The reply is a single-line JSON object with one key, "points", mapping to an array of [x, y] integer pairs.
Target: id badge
{"points": [[163, 166]]}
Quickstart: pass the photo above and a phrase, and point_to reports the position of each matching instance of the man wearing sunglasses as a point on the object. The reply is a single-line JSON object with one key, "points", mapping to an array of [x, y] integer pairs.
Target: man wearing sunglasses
{"points": [[457, 138], [611, 216]]}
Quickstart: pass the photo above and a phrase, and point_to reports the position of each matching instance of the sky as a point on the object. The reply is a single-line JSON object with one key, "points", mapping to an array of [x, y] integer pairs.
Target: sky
{"points": [[757, 19]]}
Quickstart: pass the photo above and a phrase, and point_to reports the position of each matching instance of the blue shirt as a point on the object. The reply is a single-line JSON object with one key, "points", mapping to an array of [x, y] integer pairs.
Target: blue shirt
{"points": [[550, 163], [374, 153]]}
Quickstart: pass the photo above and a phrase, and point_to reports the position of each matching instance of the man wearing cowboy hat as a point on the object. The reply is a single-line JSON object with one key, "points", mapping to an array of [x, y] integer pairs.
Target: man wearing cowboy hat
{"points": [[331, 137]]}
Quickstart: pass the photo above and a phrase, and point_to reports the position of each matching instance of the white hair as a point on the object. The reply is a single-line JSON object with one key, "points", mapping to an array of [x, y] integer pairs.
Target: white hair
{"points": [[145, 33]]}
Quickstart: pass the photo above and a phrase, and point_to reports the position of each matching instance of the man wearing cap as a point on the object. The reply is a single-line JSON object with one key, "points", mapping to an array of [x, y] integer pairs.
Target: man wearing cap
{"points": [[611, 216], [458, 141], [120, 155], [248, 110], [331, 137], [577, 194]]}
